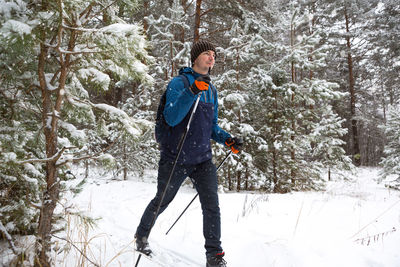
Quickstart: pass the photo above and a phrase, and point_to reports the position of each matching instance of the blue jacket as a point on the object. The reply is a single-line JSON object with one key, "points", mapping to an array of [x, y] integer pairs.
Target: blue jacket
{"points": [[203, 128]]}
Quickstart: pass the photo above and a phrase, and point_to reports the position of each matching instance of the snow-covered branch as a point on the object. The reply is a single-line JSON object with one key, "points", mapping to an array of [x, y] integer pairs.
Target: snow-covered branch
{"points": [[88, 51], [4, 232], [55, 157], [93, 156], [80, 29]]}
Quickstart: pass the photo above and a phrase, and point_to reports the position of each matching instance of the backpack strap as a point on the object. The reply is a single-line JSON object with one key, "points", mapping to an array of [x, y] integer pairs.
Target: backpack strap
{"points": [[185, 80], [213, 91], [162, 128]]}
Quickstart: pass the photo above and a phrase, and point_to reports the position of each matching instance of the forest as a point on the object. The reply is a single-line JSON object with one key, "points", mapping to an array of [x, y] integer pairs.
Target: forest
{"points": [[312, 86]]}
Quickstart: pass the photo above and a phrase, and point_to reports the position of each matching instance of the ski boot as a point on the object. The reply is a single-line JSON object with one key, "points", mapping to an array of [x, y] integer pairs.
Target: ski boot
{"points": [[142, 245], [216, 260]]}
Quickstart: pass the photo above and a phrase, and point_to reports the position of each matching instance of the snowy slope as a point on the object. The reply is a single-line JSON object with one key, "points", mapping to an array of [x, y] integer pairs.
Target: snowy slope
{"points": [[353, 223]]}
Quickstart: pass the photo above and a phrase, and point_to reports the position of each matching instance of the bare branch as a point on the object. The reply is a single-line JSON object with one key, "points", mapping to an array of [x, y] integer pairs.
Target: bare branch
{"points": [[87, 11], [205, 12], [34, 205], [98, 13], [185, 8]]}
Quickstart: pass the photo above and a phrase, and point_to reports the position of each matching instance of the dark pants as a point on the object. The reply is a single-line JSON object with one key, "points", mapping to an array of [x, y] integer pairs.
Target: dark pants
{"points": [[204, 176]]}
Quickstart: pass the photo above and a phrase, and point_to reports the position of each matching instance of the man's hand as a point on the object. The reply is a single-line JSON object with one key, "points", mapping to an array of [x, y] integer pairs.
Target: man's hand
{"points": [[201, 84], [234, 144]]}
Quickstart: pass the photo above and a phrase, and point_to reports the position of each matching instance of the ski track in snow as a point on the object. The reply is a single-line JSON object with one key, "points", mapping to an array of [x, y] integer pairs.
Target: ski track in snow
{"points": [[300, 229]]}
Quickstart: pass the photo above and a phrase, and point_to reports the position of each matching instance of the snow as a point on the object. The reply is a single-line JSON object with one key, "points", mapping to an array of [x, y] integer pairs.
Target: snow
{"points": [[115, 113], [5, 234], [96, 76], [9, 156], [74, 132], [139, 66], [33, 171], [277, 144], [121, 28], [16, 27], [303, 229]]}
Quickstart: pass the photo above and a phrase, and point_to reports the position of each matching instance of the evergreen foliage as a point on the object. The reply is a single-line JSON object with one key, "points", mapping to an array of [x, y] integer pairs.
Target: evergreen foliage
{"points": [[391, 163], [55, 56], [282, 75]]}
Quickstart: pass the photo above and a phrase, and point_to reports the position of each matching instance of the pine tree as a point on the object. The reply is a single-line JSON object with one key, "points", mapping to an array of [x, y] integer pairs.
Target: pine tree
{"points": [[391, 162], [291, 107], [244, 51], [66, 51], [350, 18], [20, 184], [379, 77], [169, 38], [320, 128]]}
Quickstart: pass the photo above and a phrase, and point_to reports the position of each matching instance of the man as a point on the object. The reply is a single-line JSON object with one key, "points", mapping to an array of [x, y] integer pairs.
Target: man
{"points": [[195, 160]]}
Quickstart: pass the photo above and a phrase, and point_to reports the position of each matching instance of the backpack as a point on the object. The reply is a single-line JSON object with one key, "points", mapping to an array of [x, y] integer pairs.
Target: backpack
{"points": [[162, 128]]}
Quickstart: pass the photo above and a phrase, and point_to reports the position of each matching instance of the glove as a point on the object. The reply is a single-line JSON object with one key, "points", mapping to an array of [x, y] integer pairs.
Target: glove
{"points": [[234, 144], [201, 84]]}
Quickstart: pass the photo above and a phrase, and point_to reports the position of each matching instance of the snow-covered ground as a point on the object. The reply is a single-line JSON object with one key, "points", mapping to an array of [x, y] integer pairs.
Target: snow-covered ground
{"points": [[353, 223]]}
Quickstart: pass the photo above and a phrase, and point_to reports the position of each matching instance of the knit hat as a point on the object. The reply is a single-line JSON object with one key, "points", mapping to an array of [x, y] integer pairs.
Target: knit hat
{"points": [[200, 47]]}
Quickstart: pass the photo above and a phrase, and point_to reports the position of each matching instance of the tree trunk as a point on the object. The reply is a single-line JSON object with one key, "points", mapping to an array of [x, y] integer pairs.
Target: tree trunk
{"points": [[356, 146], [274, 170], [292, 137], [246, 177], [237, 69], [181, 35], [51, 107], [196, 36], [239, 180], [86, 168], [125, 157], [368, 150], [146, 13], [50, 196], [229, 178], [311, 32], [383, 97], [171, 46], [274, 156]]}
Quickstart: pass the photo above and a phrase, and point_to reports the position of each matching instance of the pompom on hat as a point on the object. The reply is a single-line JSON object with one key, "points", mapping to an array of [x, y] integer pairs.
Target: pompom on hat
{"points": [[200, 47]]}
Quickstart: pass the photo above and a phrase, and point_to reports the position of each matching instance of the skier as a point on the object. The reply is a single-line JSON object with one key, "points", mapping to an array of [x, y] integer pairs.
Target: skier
{"points": [[195, 159]]}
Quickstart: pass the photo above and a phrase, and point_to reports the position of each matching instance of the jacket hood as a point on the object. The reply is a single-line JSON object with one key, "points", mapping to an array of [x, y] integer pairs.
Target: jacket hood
{"points": [[186, 70], [189, 70]]}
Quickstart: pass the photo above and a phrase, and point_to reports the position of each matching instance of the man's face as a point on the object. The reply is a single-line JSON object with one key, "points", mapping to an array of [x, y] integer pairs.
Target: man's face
{"points": [[205, 60]]}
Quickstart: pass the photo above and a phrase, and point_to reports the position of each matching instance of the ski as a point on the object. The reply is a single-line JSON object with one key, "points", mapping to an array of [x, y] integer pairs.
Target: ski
{"points": [[164, 257]]}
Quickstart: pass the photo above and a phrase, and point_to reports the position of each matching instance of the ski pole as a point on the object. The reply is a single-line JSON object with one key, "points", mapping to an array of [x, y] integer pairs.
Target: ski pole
{"points": [[227, 156], [180, 146]]}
